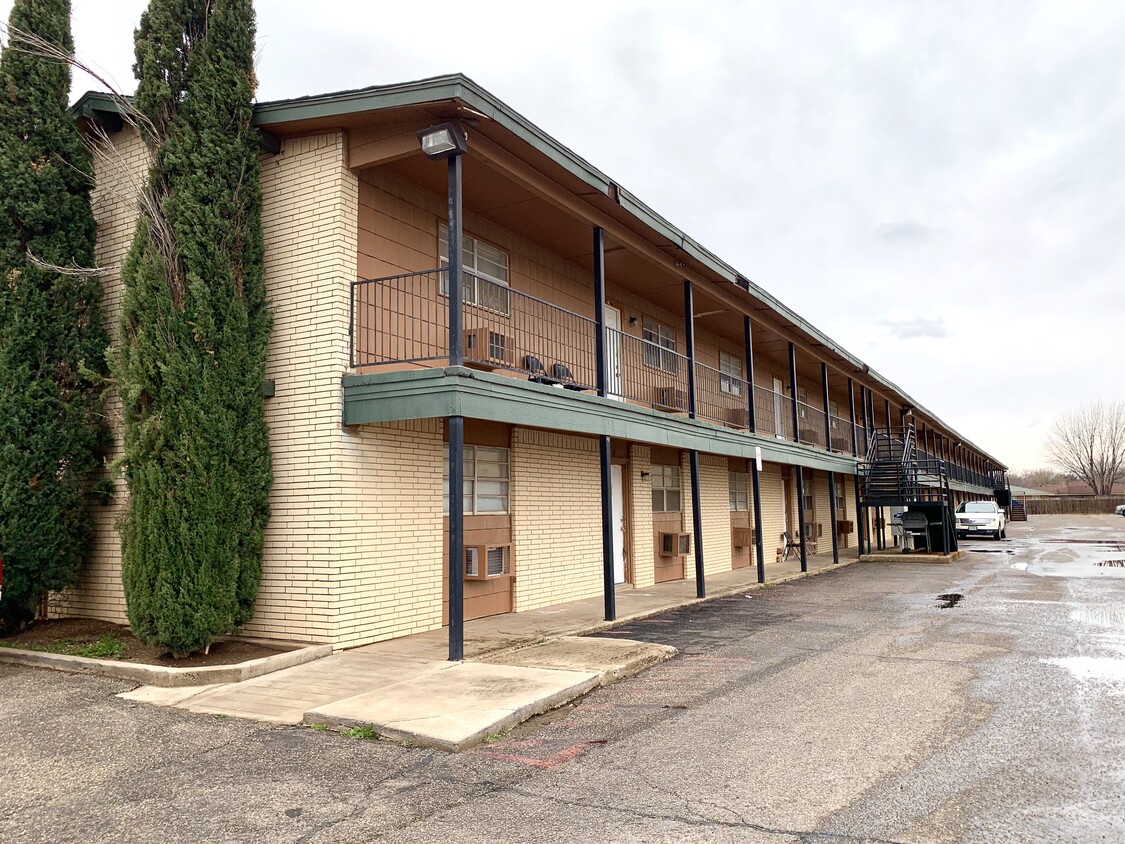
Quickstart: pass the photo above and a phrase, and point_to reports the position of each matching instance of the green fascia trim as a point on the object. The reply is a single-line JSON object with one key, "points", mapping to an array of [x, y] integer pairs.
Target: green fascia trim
{"points": [[460, 391], [460, 87]]}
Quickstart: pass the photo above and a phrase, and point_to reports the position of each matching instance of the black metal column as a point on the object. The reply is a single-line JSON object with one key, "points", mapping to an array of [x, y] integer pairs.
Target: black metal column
{"points": [[456, 538], [793, 389], [827, 407], [697, 524], [456, 427], [693, 455], [860, 516], [832, 521], [801, 515], [751, 408], [800, 471], [851, 418], [608, 587], [887, 411]]}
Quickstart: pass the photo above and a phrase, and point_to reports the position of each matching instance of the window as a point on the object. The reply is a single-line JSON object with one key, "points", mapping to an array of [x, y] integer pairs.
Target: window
{"points": [[810, 499], [665, 489], [486, 480], [660, 345], [730, 374], [802, 403], [834, 415], [840, 508], [486, 278], [739, 496]]}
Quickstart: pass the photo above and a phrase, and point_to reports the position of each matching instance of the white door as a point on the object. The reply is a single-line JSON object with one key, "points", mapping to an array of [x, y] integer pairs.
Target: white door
{"points": [[613, 353], [779, 409], [617, 518]]}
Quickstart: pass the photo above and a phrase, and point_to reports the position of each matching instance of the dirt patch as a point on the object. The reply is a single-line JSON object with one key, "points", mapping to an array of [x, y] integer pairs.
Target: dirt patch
{"points": [[103, 640]]}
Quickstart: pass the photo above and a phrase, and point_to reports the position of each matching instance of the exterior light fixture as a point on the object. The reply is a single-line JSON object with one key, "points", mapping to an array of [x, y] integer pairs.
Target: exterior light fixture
{"points": [[443, 140]]}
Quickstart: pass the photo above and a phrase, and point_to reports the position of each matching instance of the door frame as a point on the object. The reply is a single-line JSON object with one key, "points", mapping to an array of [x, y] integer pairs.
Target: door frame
{"points": [[613, 353], [626, 516]]}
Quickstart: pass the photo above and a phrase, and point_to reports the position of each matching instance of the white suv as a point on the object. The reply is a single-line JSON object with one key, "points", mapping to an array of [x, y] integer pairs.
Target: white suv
{"points": [[981, 517], [1119, 510]]}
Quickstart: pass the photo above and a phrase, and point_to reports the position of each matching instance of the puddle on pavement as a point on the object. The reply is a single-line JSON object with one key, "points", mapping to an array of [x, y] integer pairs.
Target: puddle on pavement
{"points": [[1079, 556], [949, 600]]}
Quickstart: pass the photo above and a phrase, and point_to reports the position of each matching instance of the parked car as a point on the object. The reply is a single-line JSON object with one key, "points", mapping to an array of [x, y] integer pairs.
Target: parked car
{"points": [[1119, 510], [981, 517]]}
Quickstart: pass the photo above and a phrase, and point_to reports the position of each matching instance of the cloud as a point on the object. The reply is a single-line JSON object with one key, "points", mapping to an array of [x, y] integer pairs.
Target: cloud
{"points": [[908, 329], [906, 231]]}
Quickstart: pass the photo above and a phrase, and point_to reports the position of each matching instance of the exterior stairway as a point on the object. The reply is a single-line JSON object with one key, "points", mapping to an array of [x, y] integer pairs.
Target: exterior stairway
{"points": [[894, 475]]}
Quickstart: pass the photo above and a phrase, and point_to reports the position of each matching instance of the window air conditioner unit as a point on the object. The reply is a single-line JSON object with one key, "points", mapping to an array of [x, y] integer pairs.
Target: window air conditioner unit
{"points": [[739, 417], [675, 544], [670, 398], [487, 346], [484, 562], [742, 537]]}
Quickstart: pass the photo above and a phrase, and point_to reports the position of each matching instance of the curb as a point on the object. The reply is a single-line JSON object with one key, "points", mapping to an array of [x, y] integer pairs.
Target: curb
{"points": [[158, 675], [513, 719]]}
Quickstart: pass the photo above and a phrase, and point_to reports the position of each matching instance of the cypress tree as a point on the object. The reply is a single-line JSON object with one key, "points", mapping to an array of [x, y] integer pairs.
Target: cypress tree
{"points": [[194, 331], [52, 432]]}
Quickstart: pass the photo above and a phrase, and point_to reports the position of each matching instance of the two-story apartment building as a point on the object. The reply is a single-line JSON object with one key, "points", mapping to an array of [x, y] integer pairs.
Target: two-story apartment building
{"points": [[710, 421]]}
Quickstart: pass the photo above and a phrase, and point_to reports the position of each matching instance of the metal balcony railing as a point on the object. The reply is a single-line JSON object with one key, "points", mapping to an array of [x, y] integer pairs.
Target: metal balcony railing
{"points": [[405, 319]]}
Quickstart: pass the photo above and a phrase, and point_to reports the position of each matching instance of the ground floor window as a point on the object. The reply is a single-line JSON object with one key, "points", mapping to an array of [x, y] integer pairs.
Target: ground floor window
{"points": [[739, 494], [486, 479], [665, 489]]}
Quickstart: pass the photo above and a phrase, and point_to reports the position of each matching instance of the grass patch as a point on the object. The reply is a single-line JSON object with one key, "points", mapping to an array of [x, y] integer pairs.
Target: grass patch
{"points": [[361, 731], [106, 646], [320, 728]]}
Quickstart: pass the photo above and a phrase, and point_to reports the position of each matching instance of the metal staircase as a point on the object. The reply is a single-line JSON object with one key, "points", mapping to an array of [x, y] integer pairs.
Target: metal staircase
{"points": [[894, 475]]}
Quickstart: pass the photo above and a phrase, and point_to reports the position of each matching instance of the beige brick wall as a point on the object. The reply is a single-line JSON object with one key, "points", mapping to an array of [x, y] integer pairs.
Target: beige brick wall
{"points": [[119, 176], [388, 532], [772, 503], [714, 500], [309, 214], [640, 541], [556, 517]]}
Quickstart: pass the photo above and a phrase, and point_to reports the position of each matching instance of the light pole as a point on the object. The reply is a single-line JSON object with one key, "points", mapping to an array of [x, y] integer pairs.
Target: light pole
{"points": [[448, 141]]}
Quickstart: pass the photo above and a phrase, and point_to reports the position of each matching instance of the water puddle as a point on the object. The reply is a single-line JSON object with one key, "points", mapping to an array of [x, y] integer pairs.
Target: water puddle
{"points": [[1087, 669]]}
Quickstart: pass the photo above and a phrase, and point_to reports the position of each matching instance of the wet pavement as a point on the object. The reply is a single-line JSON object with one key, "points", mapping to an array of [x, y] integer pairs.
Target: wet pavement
{"points": [[861, 705]]}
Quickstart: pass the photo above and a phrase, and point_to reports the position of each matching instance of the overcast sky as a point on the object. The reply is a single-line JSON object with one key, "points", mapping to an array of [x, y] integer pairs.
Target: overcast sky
{"points": [[939, 187]]}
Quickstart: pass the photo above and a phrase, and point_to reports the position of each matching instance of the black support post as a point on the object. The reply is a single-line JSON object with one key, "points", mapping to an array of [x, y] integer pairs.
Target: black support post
{"points": [[456, 537], [793, 390], [801, 512], [608, 588], [693, 455], [456, 427], [751, 409], [851, 418], [827, 409], [697, 525], [861, 518], [832, 521], [689, 326]]}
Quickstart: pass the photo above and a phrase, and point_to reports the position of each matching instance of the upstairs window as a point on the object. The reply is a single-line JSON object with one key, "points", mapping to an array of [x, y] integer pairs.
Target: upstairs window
{"points": [[485, 279], [730, 374], [660, 345]]}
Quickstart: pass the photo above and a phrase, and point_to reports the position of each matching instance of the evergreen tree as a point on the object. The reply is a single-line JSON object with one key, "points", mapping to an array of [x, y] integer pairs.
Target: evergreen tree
{"points": [[52, 430], [194, 332]]}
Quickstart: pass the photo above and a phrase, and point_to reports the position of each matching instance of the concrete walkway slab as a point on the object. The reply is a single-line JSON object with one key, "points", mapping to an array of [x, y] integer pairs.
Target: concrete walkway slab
{"points": [[610, 659], [459, 706]]}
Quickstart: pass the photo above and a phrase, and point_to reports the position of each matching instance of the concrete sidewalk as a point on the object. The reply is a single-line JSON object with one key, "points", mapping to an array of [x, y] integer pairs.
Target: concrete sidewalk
{"points": [[516, 666]]}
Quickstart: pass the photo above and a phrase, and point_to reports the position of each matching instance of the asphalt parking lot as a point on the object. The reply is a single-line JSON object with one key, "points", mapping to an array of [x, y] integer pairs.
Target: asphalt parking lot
{"points": [[854, 706]]}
